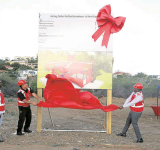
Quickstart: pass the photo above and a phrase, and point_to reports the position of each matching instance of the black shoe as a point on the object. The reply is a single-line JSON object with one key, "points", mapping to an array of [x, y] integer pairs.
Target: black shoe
{"points": [[121, 134], [2, 140], [27, 130], [139, 141], [20, 133]]}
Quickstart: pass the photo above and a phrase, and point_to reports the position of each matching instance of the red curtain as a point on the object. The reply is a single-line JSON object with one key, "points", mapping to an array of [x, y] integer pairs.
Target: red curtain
{"points": [[60, 92]]}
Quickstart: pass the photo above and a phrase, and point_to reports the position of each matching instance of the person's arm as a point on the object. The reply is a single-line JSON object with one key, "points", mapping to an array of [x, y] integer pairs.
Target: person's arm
{"points": [[127, 101], [134, 101], [22, 98], [29, 102], [35, 95]]}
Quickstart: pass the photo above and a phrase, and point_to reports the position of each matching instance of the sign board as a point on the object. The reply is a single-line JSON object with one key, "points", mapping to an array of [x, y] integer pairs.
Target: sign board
{"points": [[66, 49]]}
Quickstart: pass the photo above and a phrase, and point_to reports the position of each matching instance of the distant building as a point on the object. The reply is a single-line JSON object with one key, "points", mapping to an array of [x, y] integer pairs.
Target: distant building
{"points": [[6, 58], [17, 58], [8, 67], [35, 58], [120, 73], [24, 74], [22, 62], [33, 65], [27, 58], [157, 77], [3, 71]]}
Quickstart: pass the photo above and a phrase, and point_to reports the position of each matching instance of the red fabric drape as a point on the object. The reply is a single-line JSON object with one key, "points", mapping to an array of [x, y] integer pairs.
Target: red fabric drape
{"points": [[60, 92], [107, 24]]}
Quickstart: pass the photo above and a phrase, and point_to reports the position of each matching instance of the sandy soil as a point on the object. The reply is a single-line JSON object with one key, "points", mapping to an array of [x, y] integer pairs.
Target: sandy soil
{"points": [[71, 119]]}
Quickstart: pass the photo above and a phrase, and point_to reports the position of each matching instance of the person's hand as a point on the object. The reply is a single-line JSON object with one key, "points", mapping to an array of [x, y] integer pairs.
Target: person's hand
{"points": [[39, 100], [34, 104], [121, 107]]}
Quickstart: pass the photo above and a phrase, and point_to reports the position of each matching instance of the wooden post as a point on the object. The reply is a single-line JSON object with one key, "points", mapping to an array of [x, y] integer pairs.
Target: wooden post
{"points": [[105, 115], [109, 115], [39, 111]]}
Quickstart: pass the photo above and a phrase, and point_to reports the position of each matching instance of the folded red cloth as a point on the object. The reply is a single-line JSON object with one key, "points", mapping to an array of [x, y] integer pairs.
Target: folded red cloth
{"points": [[60, 92]]}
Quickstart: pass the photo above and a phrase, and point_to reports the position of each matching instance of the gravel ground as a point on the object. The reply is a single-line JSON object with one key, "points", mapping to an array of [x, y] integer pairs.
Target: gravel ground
{"points": [[90, 120]]}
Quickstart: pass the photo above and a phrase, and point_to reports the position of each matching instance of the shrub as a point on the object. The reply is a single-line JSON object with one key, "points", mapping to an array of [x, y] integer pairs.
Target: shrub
{"points": [[11, 100], [32, 83], [9, 85]]}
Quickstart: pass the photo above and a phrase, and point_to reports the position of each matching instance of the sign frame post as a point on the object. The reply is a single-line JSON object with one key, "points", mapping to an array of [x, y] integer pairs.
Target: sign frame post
{"points": [[109, 114], [157, 99], [39, 111]]}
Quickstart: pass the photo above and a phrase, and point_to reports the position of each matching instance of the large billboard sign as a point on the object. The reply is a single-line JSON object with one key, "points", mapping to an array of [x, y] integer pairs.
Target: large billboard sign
{"points": [[67, 50]]}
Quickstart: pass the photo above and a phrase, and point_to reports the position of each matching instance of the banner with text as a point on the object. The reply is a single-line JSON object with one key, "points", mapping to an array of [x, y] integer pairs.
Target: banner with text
{"points": [[66, 49]]}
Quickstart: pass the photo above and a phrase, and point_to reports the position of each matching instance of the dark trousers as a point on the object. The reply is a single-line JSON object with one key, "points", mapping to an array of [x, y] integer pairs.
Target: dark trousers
{"points": [[133, 118], [24, 115]]}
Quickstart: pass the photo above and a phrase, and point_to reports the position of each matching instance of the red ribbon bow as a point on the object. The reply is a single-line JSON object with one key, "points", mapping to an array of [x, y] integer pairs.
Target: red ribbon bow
{"points": [[107, 24]]}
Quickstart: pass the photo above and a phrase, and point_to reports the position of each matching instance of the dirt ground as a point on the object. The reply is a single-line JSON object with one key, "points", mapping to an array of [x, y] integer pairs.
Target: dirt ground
{"points": [[90, 120]]}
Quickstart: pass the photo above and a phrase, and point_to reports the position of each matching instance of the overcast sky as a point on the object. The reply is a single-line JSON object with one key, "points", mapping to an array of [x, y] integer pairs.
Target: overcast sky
{"points": [[136, 48]]}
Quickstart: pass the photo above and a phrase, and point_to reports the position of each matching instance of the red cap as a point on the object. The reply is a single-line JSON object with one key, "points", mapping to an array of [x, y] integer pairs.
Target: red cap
{"points": [[138, 86], [20, 82]]}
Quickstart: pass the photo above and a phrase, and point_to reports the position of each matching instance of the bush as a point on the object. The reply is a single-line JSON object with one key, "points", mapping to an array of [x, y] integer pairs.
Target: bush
{"points": [[32, 83], [11, 100], [122, 87], [9, 85]]}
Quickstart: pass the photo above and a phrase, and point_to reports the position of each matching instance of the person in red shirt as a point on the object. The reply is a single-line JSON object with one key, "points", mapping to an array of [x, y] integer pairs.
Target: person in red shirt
{"points": [[24, 102], [2, 110], [136, 104]]}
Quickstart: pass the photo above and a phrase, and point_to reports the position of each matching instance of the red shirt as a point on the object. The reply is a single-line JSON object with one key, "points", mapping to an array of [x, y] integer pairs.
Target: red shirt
{"points": [[2, 103]]}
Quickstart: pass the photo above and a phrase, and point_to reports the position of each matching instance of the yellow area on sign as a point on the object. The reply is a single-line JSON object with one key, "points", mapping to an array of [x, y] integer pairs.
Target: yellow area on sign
{"points": [[48, 61], [106, 78]]}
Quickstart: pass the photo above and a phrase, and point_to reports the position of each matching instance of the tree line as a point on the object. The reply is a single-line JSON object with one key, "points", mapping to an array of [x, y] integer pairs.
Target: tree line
{"points": [[9, 79], [122, 85]]}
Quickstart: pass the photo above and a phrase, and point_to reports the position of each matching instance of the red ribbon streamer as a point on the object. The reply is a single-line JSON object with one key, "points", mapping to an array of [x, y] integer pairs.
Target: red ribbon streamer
{"points": [[107, 24], [60, 92]]}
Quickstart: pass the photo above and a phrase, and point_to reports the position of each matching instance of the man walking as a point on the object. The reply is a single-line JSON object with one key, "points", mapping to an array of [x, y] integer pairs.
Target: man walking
{"points": [[24, 102], [136, 104], [2, 110]]}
